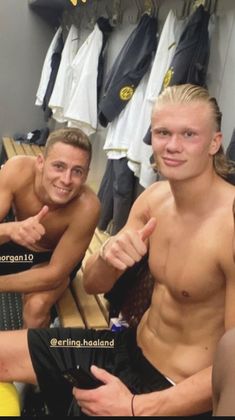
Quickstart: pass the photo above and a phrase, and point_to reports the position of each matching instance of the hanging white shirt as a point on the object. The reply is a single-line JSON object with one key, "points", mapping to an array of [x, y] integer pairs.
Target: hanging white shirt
{"points": [[139, 153], [81, 110], [60, 94], [46, 69]]}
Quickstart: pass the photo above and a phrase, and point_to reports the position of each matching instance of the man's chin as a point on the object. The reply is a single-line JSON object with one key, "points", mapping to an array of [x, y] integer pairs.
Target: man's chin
{"points": [[60, 201]]}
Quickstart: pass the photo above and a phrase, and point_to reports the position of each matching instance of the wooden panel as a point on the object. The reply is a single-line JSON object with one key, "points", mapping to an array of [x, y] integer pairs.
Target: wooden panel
{"points": [[17, 147], [13, 148], [68, 312], [36, 149], [27, 149], [88, 306], [103, 304], [8, 147]]}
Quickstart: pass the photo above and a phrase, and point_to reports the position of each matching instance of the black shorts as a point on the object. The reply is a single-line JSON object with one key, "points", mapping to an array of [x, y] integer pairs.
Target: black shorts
{"points": [[120, 356], [15, 258]]}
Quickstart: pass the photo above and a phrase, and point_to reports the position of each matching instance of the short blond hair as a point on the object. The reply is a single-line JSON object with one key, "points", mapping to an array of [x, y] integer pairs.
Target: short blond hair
{"points": [[69, 135]]}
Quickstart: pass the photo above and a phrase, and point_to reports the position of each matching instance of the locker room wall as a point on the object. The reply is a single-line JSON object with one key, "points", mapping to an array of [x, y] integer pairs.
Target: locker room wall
{"points": [[25, 38]]}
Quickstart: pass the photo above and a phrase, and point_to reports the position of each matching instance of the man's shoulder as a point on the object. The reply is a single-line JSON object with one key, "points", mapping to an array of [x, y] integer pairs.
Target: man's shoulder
{"points": [[88, 200], [158, 189], [17, 168], [152, 197], [18, 162]]}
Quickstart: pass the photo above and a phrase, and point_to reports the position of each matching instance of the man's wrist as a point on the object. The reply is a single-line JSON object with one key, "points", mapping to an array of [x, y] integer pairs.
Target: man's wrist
{"points": [[132, 406]]}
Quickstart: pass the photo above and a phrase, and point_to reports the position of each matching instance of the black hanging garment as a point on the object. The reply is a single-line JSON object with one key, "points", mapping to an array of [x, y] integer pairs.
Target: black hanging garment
{"points": [[116, 194], [128, 69], [190, 61], [106, 30]]}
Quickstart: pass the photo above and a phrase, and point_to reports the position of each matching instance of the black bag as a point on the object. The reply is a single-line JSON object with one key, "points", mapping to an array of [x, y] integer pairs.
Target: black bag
{"points": [[131, 294]]}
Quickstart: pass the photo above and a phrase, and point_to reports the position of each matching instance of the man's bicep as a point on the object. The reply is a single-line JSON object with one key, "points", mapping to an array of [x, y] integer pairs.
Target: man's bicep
{"points": [[139, 213], [72, 246], [6, 195]]}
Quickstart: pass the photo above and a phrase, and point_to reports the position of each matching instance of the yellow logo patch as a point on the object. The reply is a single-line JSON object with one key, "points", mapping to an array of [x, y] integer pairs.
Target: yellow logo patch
{"points": [[126, 93], [168, 77]]}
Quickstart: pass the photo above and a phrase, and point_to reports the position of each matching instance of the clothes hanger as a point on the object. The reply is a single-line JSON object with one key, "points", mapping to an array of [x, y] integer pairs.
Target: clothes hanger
{"points": [[75, 2]]}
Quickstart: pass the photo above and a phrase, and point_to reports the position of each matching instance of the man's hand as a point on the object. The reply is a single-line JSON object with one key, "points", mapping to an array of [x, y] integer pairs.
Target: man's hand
{"points": [[111, 399], [29, 231], [128, 247]]}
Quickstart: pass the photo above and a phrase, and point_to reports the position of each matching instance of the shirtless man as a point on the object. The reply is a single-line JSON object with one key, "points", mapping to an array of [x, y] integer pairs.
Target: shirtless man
{"points": [[223, 373], [55, 217], [186, 225]]}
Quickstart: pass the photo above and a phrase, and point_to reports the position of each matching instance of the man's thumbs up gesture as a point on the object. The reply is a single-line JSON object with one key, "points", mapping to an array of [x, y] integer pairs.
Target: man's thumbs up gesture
{"points": [[127, 247], [29, 231]]}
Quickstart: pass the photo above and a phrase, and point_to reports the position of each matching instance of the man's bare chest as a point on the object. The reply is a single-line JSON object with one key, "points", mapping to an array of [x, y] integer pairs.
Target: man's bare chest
{"points": [[185, 260]]}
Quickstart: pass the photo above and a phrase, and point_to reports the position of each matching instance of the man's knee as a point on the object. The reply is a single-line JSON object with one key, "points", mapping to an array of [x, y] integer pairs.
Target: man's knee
{"points": [[36, 311]]}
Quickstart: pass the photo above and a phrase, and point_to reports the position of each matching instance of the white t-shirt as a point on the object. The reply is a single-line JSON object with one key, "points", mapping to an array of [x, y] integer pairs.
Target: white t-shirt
{"points": [[81, 110], [60, 93]]}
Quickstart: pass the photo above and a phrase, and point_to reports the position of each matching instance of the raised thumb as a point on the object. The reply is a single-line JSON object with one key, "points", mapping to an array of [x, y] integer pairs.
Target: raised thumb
{"points": [[42, 213], [148, 229]]}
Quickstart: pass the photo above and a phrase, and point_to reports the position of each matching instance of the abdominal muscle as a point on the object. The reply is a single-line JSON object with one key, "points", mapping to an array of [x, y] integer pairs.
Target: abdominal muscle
{"points": [[179, 339]]}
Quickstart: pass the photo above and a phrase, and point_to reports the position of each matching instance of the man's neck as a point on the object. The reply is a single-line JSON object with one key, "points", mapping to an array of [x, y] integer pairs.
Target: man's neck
{"points": [[195, 193]]}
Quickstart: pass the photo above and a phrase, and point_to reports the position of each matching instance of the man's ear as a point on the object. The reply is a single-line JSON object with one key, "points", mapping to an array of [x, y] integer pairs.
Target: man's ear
{"points": [[40, 162], [215, 143]]}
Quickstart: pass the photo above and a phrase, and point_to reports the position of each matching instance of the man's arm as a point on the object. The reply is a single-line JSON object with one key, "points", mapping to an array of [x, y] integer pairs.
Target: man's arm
{"points": [[6, 199], [121, 251], [68, 252], [190, 397], [25, 232]]}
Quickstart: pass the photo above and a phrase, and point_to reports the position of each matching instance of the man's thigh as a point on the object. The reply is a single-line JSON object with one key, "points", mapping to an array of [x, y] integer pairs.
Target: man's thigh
{"points": [[15, 360], [54, 350]]}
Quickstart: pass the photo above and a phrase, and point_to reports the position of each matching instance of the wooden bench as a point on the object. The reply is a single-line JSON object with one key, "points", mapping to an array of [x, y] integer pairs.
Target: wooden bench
{"points": [[75, 307], [13, 148]]}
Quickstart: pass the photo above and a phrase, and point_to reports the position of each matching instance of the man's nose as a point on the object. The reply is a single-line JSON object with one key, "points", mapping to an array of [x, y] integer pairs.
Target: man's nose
{"points": [[66, 177], [174, 144]]}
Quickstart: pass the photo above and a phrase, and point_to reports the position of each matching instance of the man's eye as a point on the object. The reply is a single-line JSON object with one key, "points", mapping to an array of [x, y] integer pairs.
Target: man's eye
{"points": [[78, 172], [188, 134], [162, 133]]}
